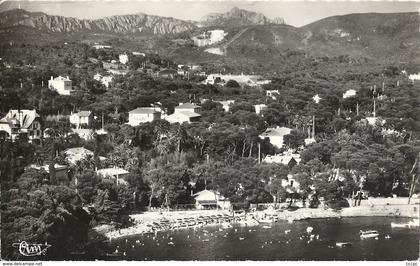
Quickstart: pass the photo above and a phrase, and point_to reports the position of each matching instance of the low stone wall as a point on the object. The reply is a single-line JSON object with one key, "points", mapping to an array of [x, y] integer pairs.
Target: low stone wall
{"points": [[389, 201], [384, 210]]}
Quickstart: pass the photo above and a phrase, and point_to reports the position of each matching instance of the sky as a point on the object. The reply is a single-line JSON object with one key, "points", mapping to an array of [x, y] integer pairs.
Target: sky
{"points": [[296, 13]]}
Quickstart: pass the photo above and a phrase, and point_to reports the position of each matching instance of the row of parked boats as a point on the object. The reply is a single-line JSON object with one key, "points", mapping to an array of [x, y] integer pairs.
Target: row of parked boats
{"points": [[165, 224]]}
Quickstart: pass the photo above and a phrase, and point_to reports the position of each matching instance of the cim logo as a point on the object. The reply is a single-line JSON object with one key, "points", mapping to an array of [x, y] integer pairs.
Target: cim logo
{"points": [[32, 249]]}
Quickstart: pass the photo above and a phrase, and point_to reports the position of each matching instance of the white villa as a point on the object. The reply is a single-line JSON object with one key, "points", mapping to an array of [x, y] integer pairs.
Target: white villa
{"points": [[105, 80], [226, 104], [287, 158], [259, 108], [250, 80], [143, 115], [349, 93], [73, 155], [275, 135], [115, 173], [272, 94], [123, 58], [82, 119], [185, 112], [62, 85]]}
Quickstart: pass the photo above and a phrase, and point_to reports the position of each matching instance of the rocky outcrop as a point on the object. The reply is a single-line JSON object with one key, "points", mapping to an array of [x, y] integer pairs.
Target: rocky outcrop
{"points": [[238, 17], [137, 23]]}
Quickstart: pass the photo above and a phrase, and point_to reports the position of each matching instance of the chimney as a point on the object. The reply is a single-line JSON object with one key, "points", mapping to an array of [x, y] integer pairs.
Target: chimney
{"points": [[67, 77], [52, 78]]}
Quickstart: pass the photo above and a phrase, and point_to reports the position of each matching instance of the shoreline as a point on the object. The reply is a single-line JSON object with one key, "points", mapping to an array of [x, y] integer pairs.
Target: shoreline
{"points": [[153, 222]]}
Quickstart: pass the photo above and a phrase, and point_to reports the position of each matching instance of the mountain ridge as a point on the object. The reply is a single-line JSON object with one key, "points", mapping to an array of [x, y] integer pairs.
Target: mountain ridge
{"points": [[120, 24]]}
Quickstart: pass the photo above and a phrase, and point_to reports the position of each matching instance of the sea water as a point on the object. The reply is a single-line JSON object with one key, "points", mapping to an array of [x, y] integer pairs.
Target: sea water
{"points": [[278, 241]]}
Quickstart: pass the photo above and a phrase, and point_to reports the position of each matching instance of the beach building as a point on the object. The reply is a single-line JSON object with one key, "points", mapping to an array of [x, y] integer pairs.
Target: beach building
{"points": [[143, 115], [116, 174], [290, 183], [82, 119], [22, 123], [209, 199], [276, 135], [63, 85]]}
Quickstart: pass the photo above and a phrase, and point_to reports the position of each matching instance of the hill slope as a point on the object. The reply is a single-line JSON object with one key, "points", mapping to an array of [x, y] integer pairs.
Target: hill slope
{"points": [[394, 35]]}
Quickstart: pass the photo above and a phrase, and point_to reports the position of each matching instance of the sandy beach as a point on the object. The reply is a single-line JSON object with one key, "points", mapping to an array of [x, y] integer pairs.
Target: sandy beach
{"points": [[143, 222]]}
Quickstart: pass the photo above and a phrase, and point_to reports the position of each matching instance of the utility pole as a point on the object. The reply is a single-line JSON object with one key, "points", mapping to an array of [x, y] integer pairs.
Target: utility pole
{"points": [[413, 170], [313, 127], [357, 108], [374, 106]]}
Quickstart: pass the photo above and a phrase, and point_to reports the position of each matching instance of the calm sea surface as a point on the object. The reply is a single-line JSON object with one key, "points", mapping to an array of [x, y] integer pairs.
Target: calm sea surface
{"points": [[259, 243]]}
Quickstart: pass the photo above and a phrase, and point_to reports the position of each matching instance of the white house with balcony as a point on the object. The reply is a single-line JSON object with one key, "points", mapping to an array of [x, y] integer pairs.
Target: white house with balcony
{"points": [[63, 85], [143, 115], [82, 119]]}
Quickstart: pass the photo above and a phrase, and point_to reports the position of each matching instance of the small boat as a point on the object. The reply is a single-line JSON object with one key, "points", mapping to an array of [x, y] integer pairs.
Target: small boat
{"points": [[226, 225], [343, 244], [287, 231], [117, 254], [265, 221], [410, 224], [309, 229], [266, 227], [368, 234]]}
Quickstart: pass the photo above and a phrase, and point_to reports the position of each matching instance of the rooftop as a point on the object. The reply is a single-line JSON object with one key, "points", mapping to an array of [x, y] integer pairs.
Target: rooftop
{"points": [[111, 171], [144, 110], [187, 106], [27, 116], [278, 131]]}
